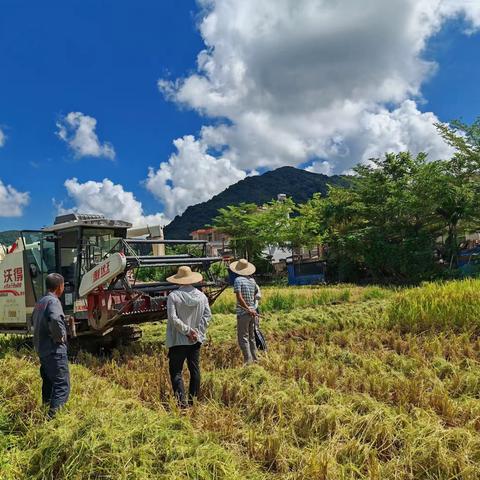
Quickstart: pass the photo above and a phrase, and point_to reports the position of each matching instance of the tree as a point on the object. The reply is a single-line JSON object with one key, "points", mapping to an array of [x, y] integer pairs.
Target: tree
{"points": [[236, 222], [457, 186], [273, 223], [252, 229], [385, 225]]}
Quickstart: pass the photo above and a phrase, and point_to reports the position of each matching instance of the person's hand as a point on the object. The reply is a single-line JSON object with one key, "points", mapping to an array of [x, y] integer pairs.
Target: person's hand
{"points": [[71, 326], [193, 336], [252, 312]]}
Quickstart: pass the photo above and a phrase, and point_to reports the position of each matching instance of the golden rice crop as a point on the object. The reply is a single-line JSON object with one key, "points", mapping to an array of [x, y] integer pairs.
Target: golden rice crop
{"points": [[293, 298], [102, 433], [340, 394], [439, 306]]}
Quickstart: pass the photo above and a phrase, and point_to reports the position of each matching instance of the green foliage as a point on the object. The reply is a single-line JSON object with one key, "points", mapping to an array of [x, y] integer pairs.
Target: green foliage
{"points": [[219, 270], [160, 274], [384, 227], [254, 230], [236, 222], [154, 274], [272, 223], [457, 187], [386, 224]]}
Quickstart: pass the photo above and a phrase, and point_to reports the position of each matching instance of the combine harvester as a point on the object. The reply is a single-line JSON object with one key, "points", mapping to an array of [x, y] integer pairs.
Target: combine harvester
{"points": [[99, 260]]}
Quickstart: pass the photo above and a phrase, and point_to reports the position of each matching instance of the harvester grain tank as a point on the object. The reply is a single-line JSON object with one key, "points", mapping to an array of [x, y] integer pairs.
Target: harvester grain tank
{"points": [[100, 262]]}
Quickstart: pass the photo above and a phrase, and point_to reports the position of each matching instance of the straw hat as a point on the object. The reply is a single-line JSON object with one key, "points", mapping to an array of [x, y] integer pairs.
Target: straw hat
{"points": [[185, 276], [243, 267]]}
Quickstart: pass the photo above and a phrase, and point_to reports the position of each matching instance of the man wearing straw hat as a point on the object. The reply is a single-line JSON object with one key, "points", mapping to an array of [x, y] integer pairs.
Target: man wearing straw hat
{"points": [[245, 289], [188, 316]]}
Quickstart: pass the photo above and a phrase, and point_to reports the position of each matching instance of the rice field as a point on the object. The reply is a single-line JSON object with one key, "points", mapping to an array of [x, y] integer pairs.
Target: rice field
{"points": [[294, 298], [358, 383]]}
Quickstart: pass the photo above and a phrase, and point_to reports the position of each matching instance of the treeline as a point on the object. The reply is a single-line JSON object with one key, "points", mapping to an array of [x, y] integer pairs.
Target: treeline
{"points": [[401, 220]]}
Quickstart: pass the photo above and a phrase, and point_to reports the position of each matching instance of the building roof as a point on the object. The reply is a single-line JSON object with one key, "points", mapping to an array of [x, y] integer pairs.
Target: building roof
{"points": [[203, 231]]}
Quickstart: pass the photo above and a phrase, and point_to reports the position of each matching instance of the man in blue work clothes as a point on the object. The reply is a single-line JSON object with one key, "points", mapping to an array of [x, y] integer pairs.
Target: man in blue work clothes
{"points": [[50, 341]]}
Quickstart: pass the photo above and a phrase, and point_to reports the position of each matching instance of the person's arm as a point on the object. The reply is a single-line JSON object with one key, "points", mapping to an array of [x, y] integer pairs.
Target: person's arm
{"points": [[258, 292], [56, 322], [241, 301], [258, 297], [173, 317], [206, 315]]}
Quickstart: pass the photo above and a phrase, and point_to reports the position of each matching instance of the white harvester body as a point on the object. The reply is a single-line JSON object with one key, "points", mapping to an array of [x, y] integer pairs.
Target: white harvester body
{"points": [[100, 260]]}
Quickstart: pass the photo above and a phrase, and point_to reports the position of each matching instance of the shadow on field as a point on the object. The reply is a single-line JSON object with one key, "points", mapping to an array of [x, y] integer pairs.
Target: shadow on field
{"points": [[16, 343]]}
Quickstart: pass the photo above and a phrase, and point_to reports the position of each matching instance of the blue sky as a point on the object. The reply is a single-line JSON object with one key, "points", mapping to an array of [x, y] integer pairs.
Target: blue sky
{"points": [[99, 57], [104, 59], [453, 91]]}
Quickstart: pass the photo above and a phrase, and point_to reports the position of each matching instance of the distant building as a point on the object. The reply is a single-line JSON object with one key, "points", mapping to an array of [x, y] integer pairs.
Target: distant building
{"points": [[218, 242], [219, 246], [316, 253]]}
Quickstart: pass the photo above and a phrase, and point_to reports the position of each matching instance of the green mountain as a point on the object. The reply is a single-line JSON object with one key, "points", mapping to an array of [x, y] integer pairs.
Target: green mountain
{"points": [[296, 183], [9, 236]]}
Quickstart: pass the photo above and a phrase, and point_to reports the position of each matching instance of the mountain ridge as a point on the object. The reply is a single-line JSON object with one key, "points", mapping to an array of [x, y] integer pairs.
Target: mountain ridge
{"points": [[298, 184], [294, 182]]}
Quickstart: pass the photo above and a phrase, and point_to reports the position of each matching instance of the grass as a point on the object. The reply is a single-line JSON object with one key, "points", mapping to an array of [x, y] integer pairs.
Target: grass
{"points": [[366, 385]]}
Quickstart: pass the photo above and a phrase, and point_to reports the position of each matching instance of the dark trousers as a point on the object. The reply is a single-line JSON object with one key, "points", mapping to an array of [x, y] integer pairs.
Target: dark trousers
{"points": [[56, 381], [177, 356]]}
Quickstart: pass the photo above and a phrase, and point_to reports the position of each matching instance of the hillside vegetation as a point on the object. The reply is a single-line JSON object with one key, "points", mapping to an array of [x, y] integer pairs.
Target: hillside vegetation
{"points": [[296, 183], [357, 384], [9, 236]]}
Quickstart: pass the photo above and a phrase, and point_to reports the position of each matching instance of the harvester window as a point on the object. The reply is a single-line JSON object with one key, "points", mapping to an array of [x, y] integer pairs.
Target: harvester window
{"points": [[41, 260], [96, 244], [68, 246]]}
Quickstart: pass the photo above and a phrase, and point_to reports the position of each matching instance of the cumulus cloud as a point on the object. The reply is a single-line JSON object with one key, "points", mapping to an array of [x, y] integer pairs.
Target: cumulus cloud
{"points": [[288, 82], [381, 131], [469, 8], [78, 131], [3, 138], [108, 199], [12, 202], [191, 175]]}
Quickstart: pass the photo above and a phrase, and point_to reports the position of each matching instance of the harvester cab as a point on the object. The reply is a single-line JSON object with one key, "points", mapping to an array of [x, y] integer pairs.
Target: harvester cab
{"points": [[102, 265]]}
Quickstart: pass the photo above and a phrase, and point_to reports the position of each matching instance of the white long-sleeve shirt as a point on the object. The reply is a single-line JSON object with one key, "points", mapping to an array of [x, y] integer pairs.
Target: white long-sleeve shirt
{"points": [[187, 309]]}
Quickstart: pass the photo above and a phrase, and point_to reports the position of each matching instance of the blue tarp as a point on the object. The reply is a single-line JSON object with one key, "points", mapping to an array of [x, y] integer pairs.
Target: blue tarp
{"points": [[315, 275]]}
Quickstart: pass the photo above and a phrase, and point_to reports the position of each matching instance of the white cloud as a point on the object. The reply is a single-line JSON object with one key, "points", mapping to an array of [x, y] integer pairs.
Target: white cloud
{"points": [[110, 200], [78, 131], [291, 81], [469, 8], [381, 131], [191, 175], [12, 202]]}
